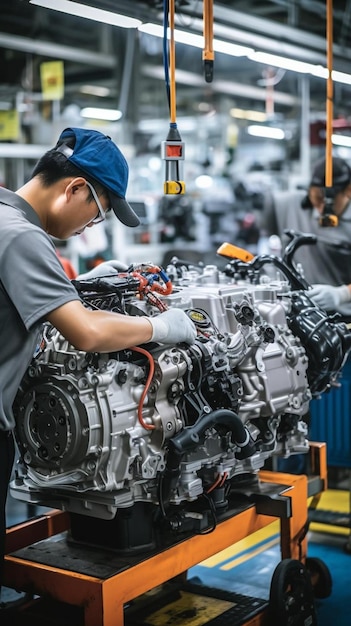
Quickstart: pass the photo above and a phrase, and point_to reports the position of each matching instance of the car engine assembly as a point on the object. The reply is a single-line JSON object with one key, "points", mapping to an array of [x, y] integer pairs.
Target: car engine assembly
{"points": [[153, 430]]}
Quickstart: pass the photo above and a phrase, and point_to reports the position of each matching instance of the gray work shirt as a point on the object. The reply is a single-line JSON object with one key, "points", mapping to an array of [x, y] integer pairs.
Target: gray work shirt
{"points": [[32, 284], [329, 261]]}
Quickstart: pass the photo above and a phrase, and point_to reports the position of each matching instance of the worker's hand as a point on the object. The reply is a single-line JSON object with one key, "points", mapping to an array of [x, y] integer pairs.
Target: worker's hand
{"points": [[172, 326], [107, 268], [328, 297]]}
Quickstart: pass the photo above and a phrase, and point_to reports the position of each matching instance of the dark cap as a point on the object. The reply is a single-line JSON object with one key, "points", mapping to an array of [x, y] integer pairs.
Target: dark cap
{"points": [[341, 173], [341, 178], [97, 155]]}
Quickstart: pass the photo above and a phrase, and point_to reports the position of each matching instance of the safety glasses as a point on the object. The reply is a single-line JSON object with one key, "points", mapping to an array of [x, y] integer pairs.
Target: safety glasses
{"points": [[101, 216]]}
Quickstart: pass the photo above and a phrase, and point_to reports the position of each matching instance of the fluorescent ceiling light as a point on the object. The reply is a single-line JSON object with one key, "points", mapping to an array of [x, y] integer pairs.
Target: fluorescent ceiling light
{"points": [[95, 90], [266, 131], [320, 72], [246, 114], [283, 62], [341, 140], [341, 77], [299, 66], [185, 124], [259, 57], [116, 19], [109, 115], [232, 49], [197, 41], [90, 13]]}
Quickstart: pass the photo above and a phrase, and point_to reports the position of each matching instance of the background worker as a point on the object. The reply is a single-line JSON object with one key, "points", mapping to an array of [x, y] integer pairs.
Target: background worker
{"points": [[72, 187], [326, 265]]}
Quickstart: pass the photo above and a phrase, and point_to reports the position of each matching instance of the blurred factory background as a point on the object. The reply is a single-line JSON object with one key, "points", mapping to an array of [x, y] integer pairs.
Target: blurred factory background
{"points": [[257, 127], [259, 124]]}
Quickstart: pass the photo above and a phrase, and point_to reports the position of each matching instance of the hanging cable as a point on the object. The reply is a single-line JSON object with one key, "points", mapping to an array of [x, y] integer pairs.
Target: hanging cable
{"points": [[173, 115], [173, 147], [165, 49], [328, 217]]}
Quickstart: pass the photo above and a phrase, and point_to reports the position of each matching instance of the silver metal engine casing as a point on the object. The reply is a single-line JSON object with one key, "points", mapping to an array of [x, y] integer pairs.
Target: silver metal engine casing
{"points": [[93, 441]]}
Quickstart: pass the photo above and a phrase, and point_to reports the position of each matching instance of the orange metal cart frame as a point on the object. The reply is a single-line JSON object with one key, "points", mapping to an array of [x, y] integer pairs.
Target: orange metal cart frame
{"points": [[103, 600]]}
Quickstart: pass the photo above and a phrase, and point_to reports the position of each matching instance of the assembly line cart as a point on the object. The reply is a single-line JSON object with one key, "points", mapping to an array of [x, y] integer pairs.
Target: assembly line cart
{"points": [[38, 559]]}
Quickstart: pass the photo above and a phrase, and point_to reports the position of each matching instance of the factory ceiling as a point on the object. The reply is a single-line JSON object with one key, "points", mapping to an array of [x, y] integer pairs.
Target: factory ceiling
{"points": [[130, 64]]}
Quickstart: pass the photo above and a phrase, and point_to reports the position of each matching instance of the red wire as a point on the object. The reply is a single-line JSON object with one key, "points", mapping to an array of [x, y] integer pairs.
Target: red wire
{"points": [[215, 484], [224, 478], [146, 388], [220, 480]]}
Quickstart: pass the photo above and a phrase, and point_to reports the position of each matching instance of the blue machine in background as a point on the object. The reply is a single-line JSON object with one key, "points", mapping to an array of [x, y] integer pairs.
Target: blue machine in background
{"points": [[331, 421]]}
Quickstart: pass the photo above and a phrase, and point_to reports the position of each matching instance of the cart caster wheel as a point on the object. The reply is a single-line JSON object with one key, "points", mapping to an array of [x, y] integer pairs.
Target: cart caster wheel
{"points": [[321, 579], [291, 599]]}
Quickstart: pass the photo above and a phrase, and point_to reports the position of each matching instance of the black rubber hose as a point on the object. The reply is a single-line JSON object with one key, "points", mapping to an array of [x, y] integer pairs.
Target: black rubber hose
{"points": [[189, 438]]}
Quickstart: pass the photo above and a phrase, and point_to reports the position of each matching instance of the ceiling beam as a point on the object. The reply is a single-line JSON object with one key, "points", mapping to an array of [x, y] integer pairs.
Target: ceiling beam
{"points": [[221, 86], [256, 32], [56, 51]]}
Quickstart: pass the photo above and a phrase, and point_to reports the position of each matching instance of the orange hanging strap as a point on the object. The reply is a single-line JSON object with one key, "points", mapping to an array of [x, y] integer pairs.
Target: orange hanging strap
{"points": [[328, 217], [208, 52], [330, 95]]}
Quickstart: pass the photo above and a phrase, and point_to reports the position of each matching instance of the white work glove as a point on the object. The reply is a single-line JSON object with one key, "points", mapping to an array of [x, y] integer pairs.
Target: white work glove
{"points": [[107, 268], [172, 326], [328, 297]]}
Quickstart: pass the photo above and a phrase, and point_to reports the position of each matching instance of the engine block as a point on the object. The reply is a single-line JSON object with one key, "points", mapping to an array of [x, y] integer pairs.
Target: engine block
{"points": [[167, 424]]}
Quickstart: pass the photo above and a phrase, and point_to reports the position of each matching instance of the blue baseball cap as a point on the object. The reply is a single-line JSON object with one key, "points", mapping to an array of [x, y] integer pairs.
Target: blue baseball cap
{"points": [[97, 155]]}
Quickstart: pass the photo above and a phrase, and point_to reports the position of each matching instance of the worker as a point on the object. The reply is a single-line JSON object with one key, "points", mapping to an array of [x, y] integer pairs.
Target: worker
{"points": [[327, 264], [72, 187]]}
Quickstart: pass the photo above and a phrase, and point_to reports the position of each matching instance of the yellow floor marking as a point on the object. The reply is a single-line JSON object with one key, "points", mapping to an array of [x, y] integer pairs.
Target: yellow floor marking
{"points": [[249, 555], [244, 544], [336, 500], [317, 527]]}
